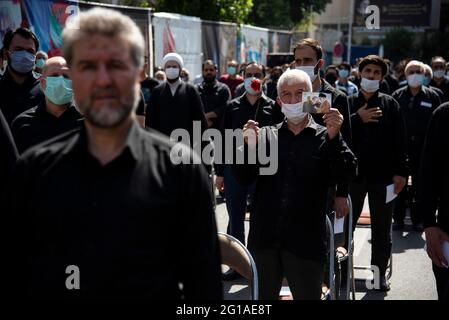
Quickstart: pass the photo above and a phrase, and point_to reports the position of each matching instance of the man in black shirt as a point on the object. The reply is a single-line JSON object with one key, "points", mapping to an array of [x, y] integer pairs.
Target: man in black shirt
{"points": [[417, 103], [428, 73], [51, 117], [19, 90], [8, 156], [379, 144], [146, 87], [91, 210], [439, 80], [252, 105], [393, 83], [309, 58], [434, 196], [214, 95], [288, 227], [272, 83]]}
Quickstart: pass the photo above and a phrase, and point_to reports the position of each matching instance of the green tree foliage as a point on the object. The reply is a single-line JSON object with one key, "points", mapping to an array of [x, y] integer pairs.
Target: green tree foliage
{"points": [[264, 13], [218, 10], [398, 44], [285, 13]]}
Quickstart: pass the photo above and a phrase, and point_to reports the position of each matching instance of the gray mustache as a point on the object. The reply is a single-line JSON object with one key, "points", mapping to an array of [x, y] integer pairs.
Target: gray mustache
{"points": [[98, 92]]}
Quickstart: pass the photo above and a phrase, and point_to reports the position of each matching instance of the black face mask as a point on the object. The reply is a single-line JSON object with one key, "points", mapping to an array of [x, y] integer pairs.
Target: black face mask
{"points": [[331, 78]]}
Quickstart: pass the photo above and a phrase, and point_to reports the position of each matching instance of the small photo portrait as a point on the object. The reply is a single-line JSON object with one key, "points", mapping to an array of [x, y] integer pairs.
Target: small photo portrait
{"points": [[316, 102]]}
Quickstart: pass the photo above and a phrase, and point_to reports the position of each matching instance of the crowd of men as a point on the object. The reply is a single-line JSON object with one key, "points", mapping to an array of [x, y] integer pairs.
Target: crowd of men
{"points": [[88, 178]]}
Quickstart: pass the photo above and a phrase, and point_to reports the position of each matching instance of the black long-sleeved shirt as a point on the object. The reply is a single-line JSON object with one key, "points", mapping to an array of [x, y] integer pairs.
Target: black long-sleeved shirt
{"points": [[443, 86], [416, 111], [434, 187], [215, 98], [289, 207], [37, 125], [8, 155], [16, 98], [379, 147], [340, 102], [237, 113], [135, 227]]}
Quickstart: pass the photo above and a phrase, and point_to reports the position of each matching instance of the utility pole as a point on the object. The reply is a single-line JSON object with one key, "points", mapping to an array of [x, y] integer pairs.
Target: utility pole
{"points": [[351, 21]]}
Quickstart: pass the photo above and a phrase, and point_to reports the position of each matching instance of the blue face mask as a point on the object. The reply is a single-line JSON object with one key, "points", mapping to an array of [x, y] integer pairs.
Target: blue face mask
{"points": [[59, 90], [343, 73], [22, 61], [40, 63], [232, 70], [426, 82]]}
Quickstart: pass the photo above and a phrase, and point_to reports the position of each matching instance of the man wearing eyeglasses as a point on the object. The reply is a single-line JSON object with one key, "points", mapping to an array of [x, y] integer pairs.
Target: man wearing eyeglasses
{"points": [[19, 90], [417, 103]]}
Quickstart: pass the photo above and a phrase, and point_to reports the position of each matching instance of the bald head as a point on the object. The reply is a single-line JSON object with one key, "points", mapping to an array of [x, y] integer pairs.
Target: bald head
{"points": [[54, 67]]}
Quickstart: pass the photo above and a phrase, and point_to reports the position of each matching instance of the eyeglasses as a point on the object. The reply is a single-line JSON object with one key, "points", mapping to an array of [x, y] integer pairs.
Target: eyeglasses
{"points": [[255, 75]]}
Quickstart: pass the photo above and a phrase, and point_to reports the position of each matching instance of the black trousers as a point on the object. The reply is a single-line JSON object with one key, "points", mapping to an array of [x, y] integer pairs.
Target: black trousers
{"points": [[304, 276], [408, 194], [442, 280], [380, 214]]}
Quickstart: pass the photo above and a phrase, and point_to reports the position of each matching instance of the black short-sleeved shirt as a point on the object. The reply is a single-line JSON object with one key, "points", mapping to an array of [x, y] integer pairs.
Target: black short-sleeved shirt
{"points": [[17, 98], [135, 227], [37, 125]]}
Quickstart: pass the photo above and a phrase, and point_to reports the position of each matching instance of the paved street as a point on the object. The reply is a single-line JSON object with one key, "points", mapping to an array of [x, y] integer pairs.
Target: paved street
{"points": [[412, 277]]}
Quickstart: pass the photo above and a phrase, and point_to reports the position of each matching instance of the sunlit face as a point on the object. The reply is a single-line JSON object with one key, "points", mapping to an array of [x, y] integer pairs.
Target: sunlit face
{"points": [[305, 56], [105, 80], [292, 93], [372, 72], [254, 70]]}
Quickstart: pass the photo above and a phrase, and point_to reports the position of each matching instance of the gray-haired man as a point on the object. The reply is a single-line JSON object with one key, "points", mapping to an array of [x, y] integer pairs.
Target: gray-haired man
{"points": [[91, 209]]}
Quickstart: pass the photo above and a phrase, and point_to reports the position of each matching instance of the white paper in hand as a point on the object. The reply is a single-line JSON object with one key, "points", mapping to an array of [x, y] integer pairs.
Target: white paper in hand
{"points": [[338, 225], [390, 193]]}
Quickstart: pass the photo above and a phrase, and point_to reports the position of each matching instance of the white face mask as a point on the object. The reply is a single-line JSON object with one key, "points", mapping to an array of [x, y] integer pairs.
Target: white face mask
{"points": [[369, 85], [438, 74], [172, 73], [415, 80], [293, 112], [310, 70]]}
